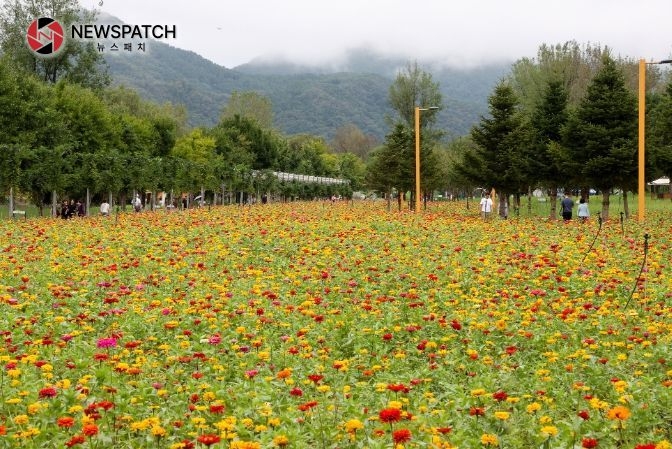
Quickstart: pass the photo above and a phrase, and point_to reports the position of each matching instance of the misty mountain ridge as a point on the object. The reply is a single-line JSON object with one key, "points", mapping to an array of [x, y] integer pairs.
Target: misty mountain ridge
{"points": [[306, 99]]}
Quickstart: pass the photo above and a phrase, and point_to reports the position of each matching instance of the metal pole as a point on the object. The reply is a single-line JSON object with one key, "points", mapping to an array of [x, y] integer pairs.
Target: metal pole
{"points": [[417, 159], [642, 115]]}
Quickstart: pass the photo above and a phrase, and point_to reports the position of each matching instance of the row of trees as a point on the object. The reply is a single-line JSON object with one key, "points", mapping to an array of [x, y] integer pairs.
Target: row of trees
{"points": [[67, 133], [567, 120], [71, 140]]}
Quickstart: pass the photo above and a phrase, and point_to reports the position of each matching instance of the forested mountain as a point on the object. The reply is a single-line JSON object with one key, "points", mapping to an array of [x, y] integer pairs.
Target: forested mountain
{"points": [[314, 100]]}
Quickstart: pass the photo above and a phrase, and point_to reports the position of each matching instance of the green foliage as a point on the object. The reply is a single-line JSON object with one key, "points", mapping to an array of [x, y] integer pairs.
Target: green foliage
{"points": [[659, 134], [350, 139], [392, 166], [547, 122], [251, 105], [413, 87], [502, 143], [601, 137], [78, 62]]}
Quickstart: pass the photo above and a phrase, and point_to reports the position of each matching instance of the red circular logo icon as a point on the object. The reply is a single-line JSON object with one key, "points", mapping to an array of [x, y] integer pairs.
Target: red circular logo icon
{"points": [[45, 36]]}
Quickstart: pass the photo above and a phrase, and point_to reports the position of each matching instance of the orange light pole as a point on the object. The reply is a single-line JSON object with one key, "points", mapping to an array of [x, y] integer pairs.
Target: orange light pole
{"points": [[417, 153], [641, 140]]}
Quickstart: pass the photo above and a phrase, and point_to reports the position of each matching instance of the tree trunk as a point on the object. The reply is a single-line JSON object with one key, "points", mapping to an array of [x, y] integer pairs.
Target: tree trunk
{"points": [[626, 208], [54, 203], [503, 205], [553, 198], [516, 206], [123, 201], [109, 199], [88, 202], [11, 202], [585, 193], [389, 200], [605, 205], [529, 201], [399, 200]]}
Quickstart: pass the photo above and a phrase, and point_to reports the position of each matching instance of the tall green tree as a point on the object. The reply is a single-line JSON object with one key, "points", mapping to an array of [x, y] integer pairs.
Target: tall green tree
{"points": [[350, 139], [242, 141], [413, 87], [392, 165], [600, 139], [547, 122], [198, 149], [251, 105], [496, 160], [78, 62], [659, 135], [572, 64]]}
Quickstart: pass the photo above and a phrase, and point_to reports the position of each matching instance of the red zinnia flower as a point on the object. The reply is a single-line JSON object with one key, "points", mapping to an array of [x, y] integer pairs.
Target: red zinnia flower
{"points": [[105, 405], [208, 439], [589, 443], [217, 408], [401, 436], [390, 415], [77, 439], [500, 396], [316, 377], [48, 392], [3, 429], [307, 406], [583, 414], [398, 387], [646, 446], [296, 391], [65, 421], [186, 444]]}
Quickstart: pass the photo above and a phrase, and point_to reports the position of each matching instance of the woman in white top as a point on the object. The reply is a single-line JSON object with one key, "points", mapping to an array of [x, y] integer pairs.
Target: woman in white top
{"points": [[583, 211]]}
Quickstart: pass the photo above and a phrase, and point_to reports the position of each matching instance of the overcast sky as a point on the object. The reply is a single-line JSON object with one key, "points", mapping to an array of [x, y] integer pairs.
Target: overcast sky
{"points": [[464, 32]]}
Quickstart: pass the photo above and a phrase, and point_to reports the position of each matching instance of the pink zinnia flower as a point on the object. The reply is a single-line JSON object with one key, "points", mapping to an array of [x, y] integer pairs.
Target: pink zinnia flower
{"points": [[107, 343]]}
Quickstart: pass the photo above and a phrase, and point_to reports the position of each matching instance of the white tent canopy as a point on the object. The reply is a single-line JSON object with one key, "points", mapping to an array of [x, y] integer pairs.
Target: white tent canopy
{"points": [[664, 181]]}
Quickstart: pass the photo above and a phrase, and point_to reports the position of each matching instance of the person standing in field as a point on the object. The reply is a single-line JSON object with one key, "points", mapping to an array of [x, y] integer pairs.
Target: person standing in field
{"points": [[567, 206], [583, 212], [486, 206], [104, 208]]}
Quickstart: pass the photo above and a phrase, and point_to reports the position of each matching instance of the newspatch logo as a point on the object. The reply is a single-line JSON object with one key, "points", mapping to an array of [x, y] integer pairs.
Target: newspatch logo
{"points": [[45, 37]]}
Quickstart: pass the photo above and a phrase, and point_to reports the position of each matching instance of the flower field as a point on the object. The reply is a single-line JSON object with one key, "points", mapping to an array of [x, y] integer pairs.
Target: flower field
{"points": [[312, 325]]}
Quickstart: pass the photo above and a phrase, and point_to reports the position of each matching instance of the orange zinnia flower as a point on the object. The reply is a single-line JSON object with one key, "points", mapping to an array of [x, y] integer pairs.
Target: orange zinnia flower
{"points": [[401, 436], [619, 412], [90, 430], [65, 421], [77, 439]]}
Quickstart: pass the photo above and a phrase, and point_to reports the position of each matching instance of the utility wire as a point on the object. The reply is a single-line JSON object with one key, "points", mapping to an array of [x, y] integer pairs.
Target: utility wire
{"points": [[599, 220], [641, 270]]}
